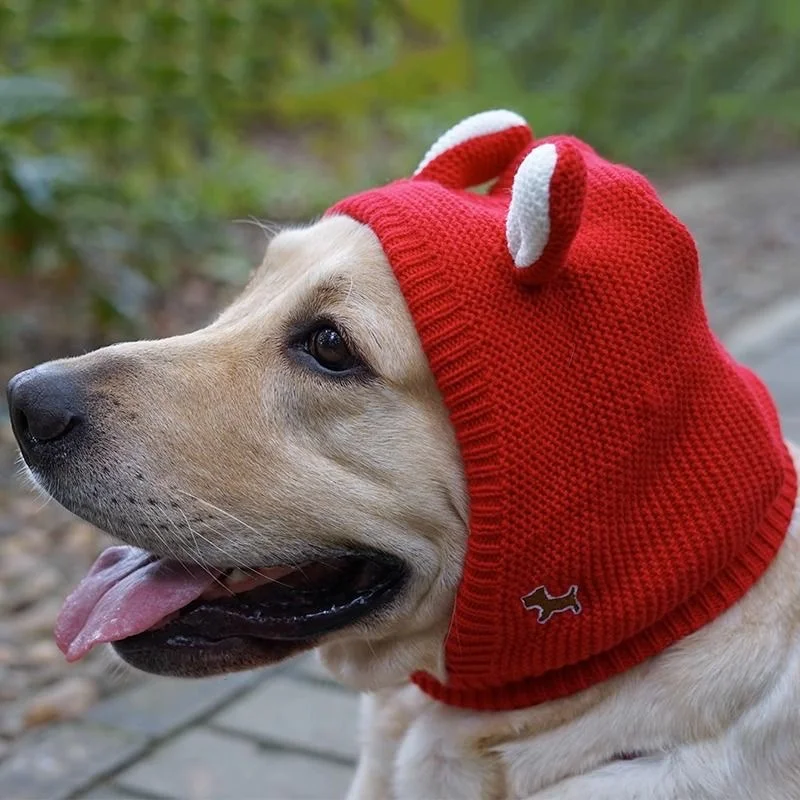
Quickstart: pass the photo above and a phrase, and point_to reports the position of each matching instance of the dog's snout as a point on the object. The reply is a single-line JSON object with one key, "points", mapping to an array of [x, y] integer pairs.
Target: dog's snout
{"points": [[45, 404]]}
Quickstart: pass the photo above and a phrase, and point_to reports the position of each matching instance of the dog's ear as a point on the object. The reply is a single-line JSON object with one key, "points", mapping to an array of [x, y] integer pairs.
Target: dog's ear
{"points": [[545, 209], [476, 150]]}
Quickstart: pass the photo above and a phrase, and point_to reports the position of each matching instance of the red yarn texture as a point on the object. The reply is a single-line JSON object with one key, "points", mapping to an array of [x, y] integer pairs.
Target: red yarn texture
{"points": [[608, 439]]}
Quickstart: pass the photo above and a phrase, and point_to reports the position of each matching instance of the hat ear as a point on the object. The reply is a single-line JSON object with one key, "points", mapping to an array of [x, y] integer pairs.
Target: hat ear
{"points": [[476, 150], [545, 209]]}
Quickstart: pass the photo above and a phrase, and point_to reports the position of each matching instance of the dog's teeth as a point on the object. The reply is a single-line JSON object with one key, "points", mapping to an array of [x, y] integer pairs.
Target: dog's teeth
{"points": [[235, 576]]}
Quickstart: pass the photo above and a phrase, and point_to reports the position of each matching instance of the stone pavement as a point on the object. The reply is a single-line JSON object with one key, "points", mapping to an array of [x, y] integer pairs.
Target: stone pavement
{"points": [[278, 734], [770, 343], [289, 732]]}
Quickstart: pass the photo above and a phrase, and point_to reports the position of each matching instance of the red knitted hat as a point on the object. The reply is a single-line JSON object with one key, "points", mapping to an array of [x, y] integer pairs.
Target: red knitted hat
{"points": [[628, 480]]}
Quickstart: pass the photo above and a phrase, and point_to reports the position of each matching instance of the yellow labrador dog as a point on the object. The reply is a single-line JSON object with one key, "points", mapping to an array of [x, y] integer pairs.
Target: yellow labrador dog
{"points": [[289, 478]]}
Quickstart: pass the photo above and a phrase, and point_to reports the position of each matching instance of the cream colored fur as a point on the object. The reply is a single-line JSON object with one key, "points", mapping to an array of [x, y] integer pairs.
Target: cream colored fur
{"points": [[220, 421]]}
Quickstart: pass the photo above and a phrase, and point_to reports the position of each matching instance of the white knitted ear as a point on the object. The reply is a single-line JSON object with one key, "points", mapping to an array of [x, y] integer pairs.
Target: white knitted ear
{"points": [[528, 221], [483, 124]]}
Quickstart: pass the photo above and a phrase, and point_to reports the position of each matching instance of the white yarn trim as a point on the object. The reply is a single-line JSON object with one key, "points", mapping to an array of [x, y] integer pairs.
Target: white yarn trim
{"points": [[470, 128], [528, 221]]}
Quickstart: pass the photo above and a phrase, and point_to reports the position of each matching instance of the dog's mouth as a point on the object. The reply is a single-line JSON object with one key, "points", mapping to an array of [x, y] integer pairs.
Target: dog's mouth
{"points": [[171, 618]]}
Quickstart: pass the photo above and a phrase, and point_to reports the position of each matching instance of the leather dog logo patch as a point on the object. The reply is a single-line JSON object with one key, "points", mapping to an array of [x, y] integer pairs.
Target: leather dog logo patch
{"points": [[547, 604]]}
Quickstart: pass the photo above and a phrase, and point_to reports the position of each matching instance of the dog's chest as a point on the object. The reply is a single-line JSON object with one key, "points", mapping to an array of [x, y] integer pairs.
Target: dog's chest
{"points": [[434, 750], [437, 757], [449, 752]]}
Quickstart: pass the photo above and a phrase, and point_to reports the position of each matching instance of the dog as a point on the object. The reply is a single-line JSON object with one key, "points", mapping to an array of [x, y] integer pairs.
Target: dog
{"points": [[289, 478]]}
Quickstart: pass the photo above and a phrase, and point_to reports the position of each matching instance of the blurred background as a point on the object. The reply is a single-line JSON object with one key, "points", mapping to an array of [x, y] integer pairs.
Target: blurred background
{"points": [[133, 132], [147, 148]]}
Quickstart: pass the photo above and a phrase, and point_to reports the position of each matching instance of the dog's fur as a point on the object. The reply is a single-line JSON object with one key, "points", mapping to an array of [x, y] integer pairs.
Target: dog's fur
{"points": [[267, 460]]}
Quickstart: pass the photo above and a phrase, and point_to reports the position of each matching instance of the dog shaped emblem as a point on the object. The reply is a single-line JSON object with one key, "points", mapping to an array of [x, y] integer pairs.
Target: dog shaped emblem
{"points": [[547, 604]]}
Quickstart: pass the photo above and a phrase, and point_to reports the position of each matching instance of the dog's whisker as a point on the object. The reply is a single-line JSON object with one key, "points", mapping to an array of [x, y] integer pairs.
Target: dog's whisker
{"points": [[25, 475], [268, 228], [371, 648], [221, 511], [43, 497], [229, 556], [253, 571], [349, 290], [191, 530], [197, 560], [163, 540], [233, 517], [247, 570]]}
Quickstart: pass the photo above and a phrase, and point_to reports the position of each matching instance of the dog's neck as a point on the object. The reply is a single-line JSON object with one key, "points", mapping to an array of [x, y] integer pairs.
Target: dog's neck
{"points": [[368, 665]]}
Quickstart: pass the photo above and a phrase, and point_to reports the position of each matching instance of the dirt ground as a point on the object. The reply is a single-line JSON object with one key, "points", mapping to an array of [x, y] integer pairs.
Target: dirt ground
{"points": [[747, 224]]}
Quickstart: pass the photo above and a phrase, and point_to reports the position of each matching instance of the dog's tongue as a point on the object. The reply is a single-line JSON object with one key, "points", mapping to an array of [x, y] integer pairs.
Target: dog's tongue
{"points": [[127, 591]]}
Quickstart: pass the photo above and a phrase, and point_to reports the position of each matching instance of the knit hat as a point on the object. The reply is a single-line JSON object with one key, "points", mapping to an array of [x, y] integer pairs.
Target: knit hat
{"points": [[628, 480]]}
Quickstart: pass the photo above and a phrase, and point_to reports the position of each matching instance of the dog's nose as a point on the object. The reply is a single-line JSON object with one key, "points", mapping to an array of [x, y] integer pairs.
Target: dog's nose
{"points": [[45, 404]]}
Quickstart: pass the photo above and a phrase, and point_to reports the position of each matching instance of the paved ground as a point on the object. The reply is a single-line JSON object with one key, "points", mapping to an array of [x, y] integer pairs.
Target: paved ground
{"points": [[278, 734], [772, 347], [289, 732]]}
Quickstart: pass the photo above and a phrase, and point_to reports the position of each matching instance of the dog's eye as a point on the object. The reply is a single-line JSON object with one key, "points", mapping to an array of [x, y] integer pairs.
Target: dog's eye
{"points": [[330, 350]]}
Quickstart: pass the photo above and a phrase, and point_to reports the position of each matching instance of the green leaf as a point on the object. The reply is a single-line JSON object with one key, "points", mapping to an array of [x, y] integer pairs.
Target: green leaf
{"points": [[40, 178], [26, 99]]}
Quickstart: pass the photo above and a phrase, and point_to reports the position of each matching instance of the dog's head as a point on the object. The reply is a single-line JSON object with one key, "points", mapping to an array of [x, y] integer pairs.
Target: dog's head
{"points": [[297, 448], [287, 477], [419, 409]]}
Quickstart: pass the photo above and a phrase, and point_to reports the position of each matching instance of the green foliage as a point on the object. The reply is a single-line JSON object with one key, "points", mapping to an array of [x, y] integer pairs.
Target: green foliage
{"points": [[62, 219], [131, 131], [127, 129], [654, 83]]}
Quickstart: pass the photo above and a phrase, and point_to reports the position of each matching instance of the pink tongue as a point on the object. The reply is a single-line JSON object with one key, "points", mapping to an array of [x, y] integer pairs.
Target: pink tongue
{"points": [[126, 592]]}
